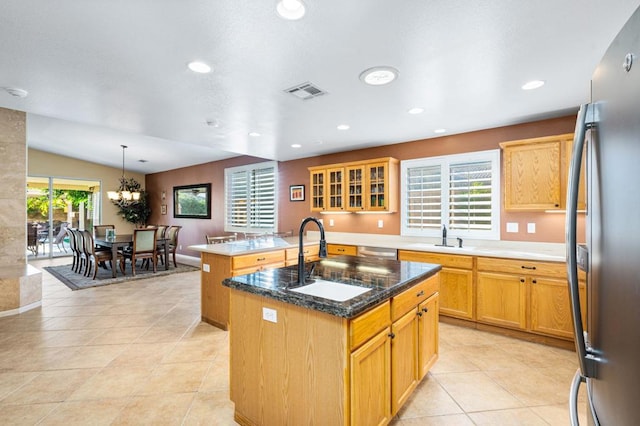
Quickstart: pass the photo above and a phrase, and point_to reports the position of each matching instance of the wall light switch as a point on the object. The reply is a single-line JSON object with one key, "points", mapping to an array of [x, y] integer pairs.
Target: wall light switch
{"points": [[270, 315], [531, 228], [512, 226], [330, 222], [205, 267], [380, 223]]}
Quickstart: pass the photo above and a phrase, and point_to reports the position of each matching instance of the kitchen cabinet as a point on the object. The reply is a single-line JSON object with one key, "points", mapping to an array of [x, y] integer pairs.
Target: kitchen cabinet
{"points": [[535, 173], [310, 252], [413, 339], [525, 295], [360, 370], [457, 291], [214, 296], [361, 186], [341, 249]]}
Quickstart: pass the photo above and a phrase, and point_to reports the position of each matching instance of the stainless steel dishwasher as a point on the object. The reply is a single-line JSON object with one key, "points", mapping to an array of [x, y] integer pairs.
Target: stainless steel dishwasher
{"points": [[377, 252]]}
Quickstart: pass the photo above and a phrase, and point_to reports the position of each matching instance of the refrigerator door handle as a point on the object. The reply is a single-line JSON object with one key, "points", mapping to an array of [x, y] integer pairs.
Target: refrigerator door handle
{"points": [[578, 379], [586, 119]]}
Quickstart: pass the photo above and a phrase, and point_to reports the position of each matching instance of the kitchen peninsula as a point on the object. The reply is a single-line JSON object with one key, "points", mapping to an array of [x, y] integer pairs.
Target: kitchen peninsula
{"points": [[302, 359]]}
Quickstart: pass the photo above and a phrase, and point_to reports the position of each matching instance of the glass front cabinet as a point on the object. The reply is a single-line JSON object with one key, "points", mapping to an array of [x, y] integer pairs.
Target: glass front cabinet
{"points": [[370, 185]]}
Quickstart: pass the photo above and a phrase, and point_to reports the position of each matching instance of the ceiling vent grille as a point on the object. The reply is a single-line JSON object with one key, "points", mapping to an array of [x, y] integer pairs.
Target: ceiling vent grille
{"points": [[305, 91]]}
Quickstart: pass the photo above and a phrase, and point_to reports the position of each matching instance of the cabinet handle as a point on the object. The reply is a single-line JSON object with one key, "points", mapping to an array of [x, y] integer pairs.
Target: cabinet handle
{"points": [[534, 281], [260, 259], [419, 313], [533, 268], [391, 335], [425, 310], [421, 293], [521, 280], [340, 249]]}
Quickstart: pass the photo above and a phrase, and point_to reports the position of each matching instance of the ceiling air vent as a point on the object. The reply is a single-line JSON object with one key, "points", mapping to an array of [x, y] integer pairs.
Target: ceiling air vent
{"points": [[305, 91]]}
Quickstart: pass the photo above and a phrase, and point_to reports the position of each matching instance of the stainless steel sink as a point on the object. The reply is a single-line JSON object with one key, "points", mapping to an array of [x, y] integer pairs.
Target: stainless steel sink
{"points": [[331, 290]]}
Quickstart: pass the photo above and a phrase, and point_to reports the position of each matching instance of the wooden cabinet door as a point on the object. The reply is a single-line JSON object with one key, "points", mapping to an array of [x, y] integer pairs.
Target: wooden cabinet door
{"points": [[317, 192], [456, 292], [501, 299], [355, 183], [404, 359], [371, 381], [532, 176], [427, 335], [550, 307], [377, 186], [335, 189]]}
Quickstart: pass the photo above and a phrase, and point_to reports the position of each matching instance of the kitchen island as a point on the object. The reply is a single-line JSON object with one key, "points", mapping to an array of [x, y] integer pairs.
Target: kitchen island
{"points": [[220, 261], [303, 359]]}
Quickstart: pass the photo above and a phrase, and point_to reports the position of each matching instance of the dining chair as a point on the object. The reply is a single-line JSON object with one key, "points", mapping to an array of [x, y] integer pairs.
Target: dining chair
{"points": [[172, 244], [220, 239], [95, 257], [144, 247], [73, 246], [80, 250], [100, 231]]}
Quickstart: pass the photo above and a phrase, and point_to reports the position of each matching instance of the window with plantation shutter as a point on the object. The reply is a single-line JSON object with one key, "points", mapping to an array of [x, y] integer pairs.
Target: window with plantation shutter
{"points": [[250, 198], [459, 191]]}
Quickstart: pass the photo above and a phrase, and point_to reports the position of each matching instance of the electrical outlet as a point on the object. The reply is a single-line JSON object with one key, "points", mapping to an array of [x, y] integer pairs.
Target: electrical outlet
{"points": [[270, 315], [331, 222], [206, 268], [180, 247], [512, 226], [531, 228], [380, 223]]}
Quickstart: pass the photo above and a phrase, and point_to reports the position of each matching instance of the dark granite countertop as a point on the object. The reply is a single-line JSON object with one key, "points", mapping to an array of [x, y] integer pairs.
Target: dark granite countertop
{"points": [[386, 278]]}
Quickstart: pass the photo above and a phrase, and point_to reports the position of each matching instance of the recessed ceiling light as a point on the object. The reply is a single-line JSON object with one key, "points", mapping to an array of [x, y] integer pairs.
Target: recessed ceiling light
{"points": [[290, 9], [254, 134], [212, 123], [378, 76], [199, 67], [296, 145], [533, 84], [16, 92], [416, 110], [344, 127], [439, 130]]}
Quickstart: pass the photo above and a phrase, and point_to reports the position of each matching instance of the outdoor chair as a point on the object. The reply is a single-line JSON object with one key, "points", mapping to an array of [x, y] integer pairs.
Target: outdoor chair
{"points": [[62, 233], [32, 238]]}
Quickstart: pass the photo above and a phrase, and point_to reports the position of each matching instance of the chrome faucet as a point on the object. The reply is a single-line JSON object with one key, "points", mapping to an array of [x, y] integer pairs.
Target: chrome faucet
{"points": [[323, 246]]}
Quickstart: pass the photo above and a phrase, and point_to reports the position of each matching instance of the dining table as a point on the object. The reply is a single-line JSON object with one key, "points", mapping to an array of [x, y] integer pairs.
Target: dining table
{"points": [[124, 240]]}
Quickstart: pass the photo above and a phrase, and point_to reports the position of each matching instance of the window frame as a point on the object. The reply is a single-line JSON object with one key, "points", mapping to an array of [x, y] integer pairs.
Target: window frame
{"points": [[445, 162], [251, 168]]}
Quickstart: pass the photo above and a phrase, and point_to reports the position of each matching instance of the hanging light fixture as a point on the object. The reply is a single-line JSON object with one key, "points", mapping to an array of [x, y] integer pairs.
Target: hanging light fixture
{"points": [[123, 194]]}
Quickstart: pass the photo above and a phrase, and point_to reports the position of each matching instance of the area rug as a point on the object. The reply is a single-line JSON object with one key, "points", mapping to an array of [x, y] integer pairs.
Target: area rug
{"points": [[77, 281]]}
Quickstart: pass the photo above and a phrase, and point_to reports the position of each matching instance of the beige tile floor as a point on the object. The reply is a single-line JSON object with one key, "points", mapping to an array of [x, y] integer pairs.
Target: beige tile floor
{"points": [[137, 353]]}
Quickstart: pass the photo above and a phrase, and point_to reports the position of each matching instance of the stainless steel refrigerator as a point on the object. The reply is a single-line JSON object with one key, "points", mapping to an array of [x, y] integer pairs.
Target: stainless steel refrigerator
{"points": [[608, 135]]}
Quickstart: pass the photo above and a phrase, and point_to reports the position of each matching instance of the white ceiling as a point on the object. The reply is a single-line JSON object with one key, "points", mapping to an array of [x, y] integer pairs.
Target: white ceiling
{"points": [[105, 73]]}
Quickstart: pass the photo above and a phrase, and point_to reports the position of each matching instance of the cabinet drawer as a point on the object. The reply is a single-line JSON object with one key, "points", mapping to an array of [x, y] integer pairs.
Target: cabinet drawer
{"points": [[450, 260], [310, 253], [257, 259], [368, 324], [524, 267], [409, 299], [251, 270], [337, 249]]}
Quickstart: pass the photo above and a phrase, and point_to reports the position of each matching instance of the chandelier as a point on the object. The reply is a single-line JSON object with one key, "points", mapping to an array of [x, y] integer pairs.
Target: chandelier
{"points": [[123, 193]]}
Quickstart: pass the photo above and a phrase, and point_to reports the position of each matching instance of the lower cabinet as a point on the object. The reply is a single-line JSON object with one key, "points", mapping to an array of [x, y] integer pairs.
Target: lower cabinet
{"points": [[525, 295], [388, 367], [311, 367], [457, 292]]}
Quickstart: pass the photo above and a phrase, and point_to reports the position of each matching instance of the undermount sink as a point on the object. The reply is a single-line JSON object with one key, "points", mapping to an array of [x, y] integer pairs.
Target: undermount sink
{"points": [[332, 290], [437, 246]]}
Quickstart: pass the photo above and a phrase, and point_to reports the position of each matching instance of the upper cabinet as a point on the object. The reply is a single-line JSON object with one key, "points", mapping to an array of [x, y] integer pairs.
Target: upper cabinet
{"points": [[369, 185], [535, 173]]}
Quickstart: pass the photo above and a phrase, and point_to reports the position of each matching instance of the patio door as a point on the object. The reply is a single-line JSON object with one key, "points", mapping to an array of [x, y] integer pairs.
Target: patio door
{"points": [[52, 205]]}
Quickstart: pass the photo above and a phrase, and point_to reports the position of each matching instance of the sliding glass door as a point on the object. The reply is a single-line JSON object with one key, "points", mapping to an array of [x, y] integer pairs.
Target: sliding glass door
{"points": [[53, 204]]}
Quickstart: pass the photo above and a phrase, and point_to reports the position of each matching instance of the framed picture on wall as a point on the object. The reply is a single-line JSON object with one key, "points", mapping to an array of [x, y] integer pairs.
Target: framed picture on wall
{"points": [[192, 201], [296, 193]]}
